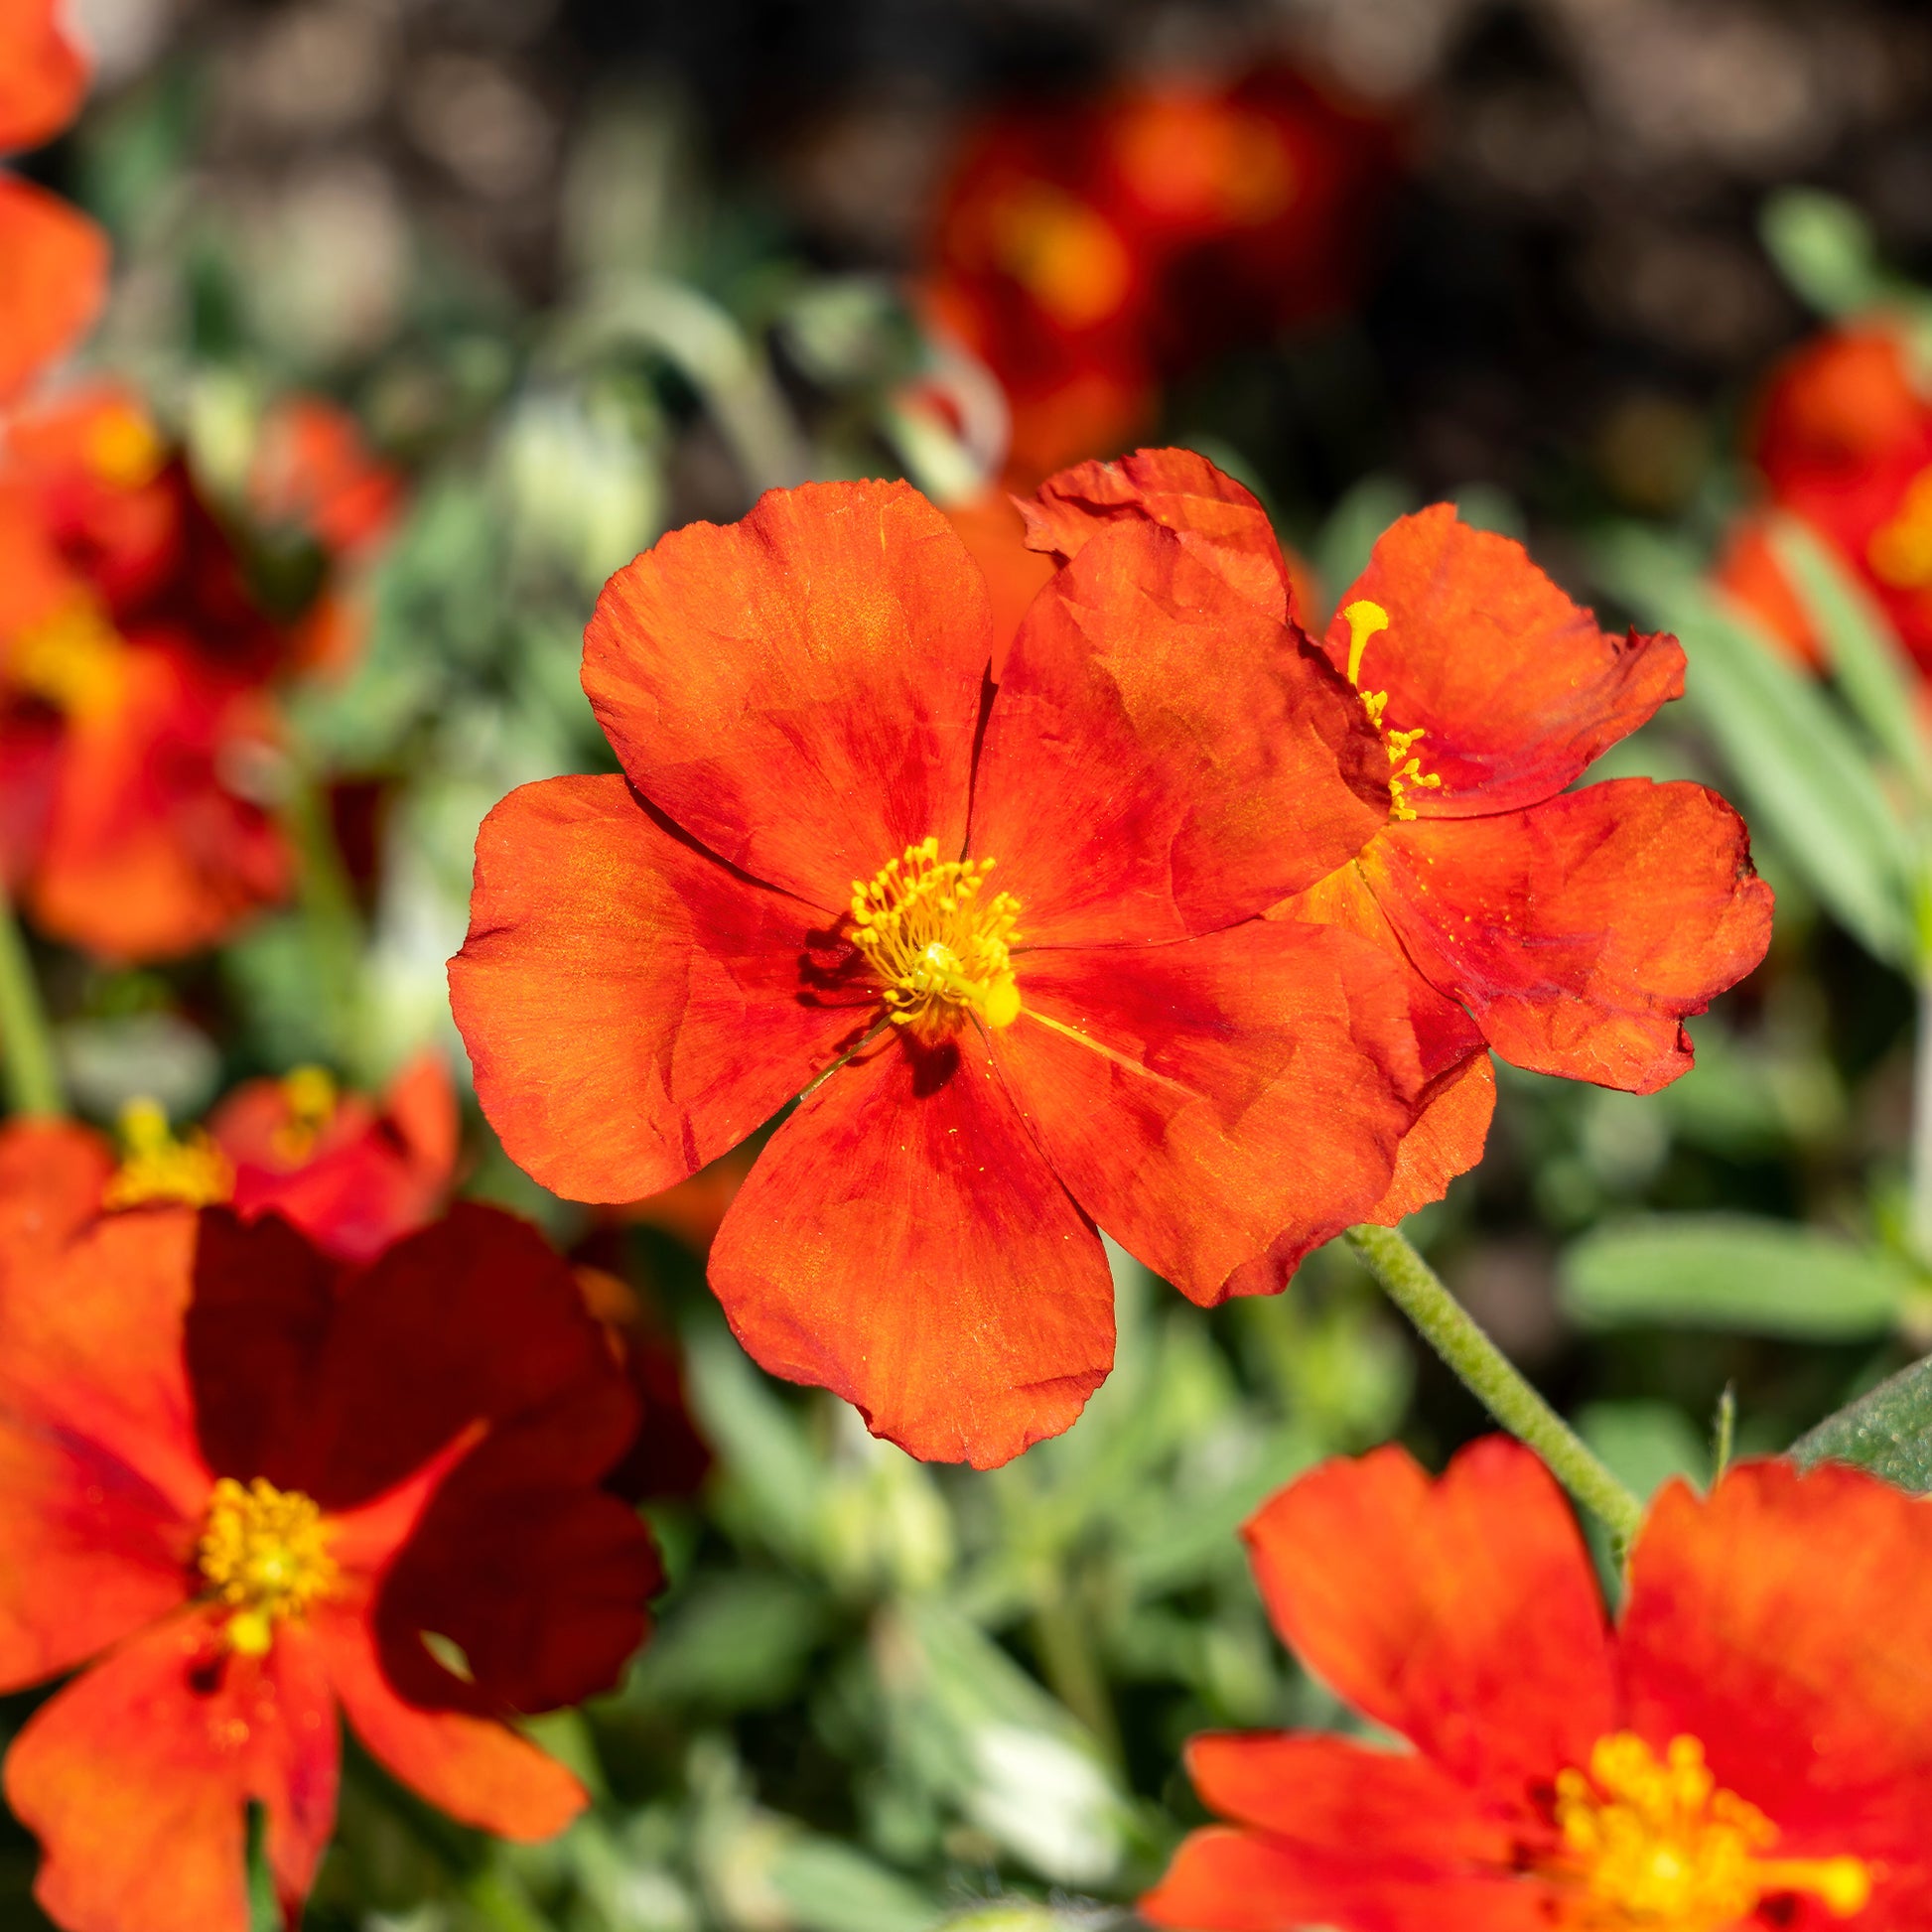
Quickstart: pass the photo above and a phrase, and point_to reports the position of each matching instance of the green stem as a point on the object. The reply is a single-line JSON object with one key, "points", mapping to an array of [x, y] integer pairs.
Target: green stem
{"points": [[1062, 1635], [31, 1072], [1919, 1208], [1418, 1290], [328, 908]]}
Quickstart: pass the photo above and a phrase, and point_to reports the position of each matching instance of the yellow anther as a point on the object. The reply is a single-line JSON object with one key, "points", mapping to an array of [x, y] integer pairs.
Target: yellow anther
{"points": [[157, 1166], [938, 948], [1656, 1844], [74, 660], [1364, 619], [1900, 551], [309, 1093], [265, 1553]]}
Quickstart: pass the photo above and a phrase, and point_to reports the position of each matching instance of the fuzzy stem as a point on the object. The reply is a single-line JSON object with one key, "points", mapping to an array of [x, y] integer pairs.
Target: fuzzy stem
{"points": [[31, 1072], [1919, 1208], [1416, 1290]]}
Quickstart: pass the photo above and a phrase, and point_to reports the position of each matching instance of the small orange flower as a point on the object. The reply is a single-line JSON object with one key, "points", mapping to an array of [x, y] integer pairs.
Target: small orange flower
{"points": [[1746, 1748], [52, 259], [1844, 441], [1004, 944], [1087, 251], [243, 1484], [1578, 928]]}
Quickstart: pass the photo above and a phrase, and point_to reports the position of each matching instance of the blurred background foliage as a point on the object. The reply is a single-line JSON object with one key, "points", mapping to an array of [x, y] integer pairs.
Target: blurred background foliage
{"points": [[586, 271]]}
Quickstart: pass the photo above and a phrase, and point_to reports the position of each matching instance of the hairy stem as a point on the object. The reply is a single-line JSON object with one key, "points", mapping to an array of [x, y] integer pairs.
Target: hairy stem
{"points": [[1919, 1211], [31, 1072], [1418, 1290]]}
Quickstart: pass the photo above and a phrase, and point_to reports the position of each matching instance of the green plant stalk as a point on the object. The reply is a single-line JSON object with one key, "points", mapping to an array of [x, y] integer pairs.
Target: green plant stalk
{"points": [[329, 909], [1062, 1635], [1416, 1290], [1918, 1227], [32, 1073]]}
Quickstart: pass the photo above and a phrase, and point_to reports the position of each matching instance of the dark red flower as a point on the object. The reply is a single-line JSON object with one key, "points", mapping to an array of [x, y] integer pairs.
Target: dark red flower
{"points": [[246, 1489]]}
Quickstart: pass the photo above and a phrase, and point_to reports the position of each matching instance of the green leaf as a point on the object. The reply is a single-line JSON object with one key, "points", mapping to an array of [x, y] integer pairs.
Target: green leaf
{"points": [[1645, 1444], [1889, 1431], [1805, 778], [1872, 669], [1724, 1270], [1823, 247], [830, 1887]]}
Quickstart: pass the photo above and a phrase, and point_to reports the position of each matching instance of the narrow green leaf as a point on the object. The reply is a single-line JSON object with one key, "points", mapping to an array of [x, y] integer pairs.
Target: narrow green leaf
{"points": [[1823, 247], [1889, 1431], [1876, 675], [1805, 779], [830, 1887], [1723, 1271]]}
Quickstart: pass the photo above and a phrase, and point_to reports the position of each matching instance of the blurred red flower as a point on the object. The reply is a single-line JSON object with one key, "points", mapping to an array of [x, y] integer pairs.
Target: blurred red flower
{"points": [[247, 1488], [1089, 251], [1749, 1747], [668, 1456], [52, 259], [138, 731], [1843, 439], [351, 1173], [1579, 928], [776, 900]]}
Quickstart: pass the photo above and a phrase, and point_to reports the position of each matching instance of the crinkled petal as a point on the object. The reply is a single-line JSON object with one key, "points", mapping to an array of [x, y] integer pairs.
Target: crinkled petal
{"points": [[1583, 931], [135, 1779], [1224, 1880], [801, 691], [52, 279], [633, 1008], [1498, 1668], [1215, 519], [43, 75], [1204, 1100], [1782, 1621], [1164, 759], [475, 1768], [903, 1242], [1514, 685]]}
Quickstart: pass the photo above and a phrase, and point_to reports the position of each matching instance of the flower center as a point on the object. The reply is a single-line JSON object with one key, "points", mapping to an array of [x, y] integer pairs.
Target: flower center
{"points": [[157, 1166], [1901, 552], [74, 660], [1656, 1844], [265, 1552], [1364, 621], [309, 1094], [1065, 254], [938, 947]]}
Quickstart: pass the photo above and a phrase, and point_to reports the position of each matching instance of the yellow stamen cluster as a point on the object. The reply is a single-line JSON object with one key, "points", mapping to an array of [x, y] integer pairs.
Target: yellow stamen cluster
{"points": [[1655, 1843], [309, 1093], [1901, 552], [265, 1553], [157, 1166], [74, 660], [938, 947], [1364, 621]]}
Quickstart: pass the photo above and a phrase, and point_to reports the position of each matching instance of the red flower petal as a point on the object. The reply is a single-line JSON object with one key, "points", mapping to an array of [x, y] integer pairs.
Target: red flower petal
{"points": [[989, 526], [1240, 1882], [536, 1575], [903, 1243], [1215, 519], [632, 1009], [1497, 1666], [52, 279], [475, 1768], [1782, 1621], [1515, 686], [1447, 1139], [52, 1173], [135, 1779], [1205, 1100], [43, 75], [1164, 759], [801, 691], [1581, 932]]}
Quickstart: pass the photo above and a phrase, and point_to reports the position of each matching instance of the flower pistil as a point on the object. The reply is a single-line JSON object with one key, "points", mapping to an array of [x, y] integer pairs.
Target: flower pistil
{"points": [[939, 950], [1655, 1842]]}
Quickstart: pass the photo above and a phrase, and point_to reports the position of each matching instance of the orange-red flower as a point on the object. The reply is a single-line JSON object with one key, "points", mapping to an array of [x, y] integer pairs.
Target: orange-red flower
{"points": [[52, 259], [1087, 251], [1579, 928], [248, 1489], [1004, 944], [1751, 1746], [1844, 440], [137, 734]]}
